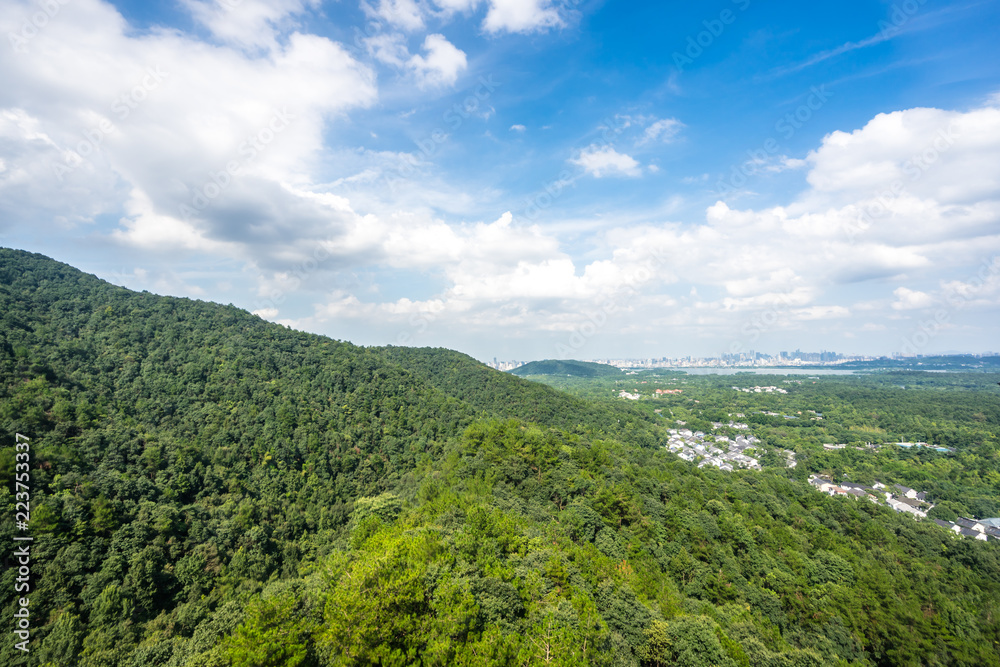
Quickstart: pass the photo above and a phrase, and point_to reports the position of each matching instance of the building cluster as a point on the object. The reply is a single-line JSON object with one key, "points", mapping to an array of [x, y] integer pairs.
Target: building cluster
{"points": [[937, 448], [829, 446], [505, 365], [768, 413], [910, 501], [718, 450], [759, 390], [977, 529], [739, 426], [898, 497]]}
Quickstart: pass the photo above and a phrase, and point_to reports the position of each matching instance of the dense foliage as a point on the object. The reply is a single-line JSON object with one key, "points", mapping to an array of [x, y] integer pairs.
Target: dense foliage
{"points": [[208, 489]]}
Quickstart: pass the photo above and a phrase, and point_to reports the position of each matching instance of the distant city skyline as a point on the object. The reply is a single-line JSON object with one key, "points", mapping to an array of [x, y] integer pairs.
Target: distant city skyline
{"points": [[761, 360], [522, 178]]}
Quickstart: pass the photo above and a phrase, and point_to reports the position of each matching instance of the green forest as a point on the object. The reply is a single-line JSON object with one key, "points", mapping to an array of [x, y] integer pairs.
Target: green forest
{"points": [[208, 489]]}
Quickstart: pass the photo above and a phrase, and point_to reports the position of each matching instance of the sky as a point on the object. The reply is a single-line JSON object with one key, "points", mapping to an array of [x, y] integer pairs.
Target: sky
{"points": [[523, 179]]}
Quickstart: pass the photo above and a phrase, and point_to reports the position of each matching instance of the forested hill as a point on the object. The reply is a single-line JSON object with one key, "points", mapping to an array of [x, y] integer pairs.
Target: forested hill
{"points": [[219, 376], [571, 367], [502, 395], [211, 490], [489, 391]]}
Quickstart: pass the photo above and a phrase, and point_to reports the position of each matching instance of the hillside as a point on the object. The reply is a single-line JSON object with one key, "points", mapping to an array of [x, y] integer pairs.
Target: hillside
{"points": [[571, 367], [501, 395], [208, 489]]}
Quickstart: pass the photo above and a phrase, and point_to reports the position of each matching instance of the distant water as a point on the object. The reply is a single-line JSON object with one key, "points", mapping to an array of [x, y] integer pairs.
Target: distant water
{"points": [[762, 371]]}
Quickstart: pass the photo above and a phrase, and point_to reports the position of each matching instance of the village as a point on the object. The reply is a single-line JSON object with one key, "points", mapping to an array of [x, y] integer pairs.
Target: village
{"points": [[910, 501], [719, 451], [740, 452], [758, 390]]}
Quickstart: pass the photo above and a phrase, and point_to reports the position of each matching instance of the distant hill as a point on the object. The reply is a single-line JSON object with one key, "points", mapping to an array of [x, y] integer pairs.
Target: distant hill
{"points": [[488, 391], [583, 369], [495, 394]]}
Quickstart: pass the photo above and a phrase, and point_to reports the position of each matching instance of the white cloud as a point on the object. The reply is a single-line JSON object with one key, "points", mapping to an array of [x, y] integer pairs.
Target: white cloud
{"points": [[82, 123], [978, 288], [600, 161], [784, 265], [521, 16], [821, 313], [662, 130], [442, 64], [145, 228], [943, 155], [518, 128], [266, 313], [389, 48], [405, 14], [514, 16], [790, 163], [781, 279], [30, 183], [249, 23], [766, 271], [457, 5], [907, 299], [499, 274]]}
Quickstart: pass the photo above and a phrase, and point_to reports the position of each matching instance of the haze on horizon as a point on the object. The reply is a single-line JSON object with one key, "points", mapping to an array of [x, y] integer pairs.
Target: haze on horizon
{"points": [[522, 179]]}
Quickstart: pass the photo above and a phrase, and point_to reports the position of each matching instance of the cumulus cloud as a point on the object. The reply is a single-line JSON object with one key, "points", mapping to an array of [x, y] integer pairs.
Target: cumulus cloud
{"points": [[908, 299], [441, 65], [979, 286], [944, 155], [404, 14], [851, 226], [388, 48], [600, 161], [30, 184], [821, 312], [457, 5], [252, 24], [511, 16], [522, 16], [194, 141]]}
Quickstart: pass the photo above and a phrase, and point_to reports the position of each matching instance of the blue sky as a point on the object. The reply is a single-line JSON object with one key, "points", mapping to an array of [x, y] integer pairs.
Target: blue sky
{"points": [[523, 178]]}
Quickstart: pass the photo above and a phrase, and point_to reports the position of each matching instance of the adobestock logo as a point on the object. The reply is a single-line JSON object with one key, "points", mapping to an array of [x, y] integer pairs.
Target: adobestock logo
{"points": [[454, 117], [249, 150], [786, 126], [122, 106], [33, 25], [698, 43], [915, 167]]}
